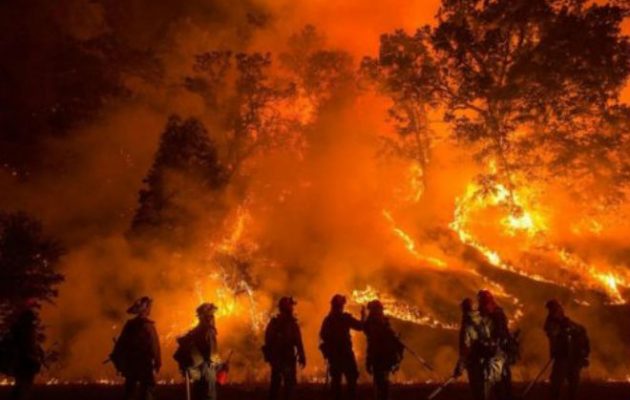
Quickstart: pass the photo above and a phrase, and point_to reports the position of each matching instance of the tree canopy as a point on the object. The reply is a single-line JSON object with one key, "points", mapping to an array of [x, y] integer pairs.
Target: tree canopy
{"points": [[533, 86], [28, 263], [185, 165]]}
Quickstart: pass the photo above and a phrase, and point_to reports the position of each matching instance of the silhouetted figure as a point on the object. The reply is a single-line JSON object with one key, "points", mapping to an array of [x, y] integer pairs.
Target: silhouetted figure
{"points": [[569, 349], [198, 352], [22, 353], [283, 349], [336, 346], [384, 349], [136, 354], [470, 346], [495, 347]]}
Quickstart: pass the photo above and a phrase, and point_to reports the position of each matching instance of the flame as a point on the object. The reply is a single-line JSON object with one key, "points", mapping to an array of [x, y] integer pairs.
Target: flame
{"points": [[520, 221], [416, 182], [231, 242], [410, 244], [399, 310], [523, 217]]}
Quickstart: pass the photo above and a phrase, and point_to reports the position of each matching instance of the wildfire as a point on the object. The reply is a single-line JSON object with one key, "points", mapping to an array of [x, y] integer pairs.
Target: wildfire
{"points": [[410, 244], [399, 310], [231, 242], [231, 280], [603, 280], [473, 201], [416, 183], [522, 217]]}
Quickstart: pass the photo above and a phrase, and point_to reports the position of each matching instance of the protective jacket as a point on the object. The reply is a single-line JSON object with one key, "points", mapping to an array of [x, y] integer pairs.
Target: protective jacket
{"points": [[283, 341], [136, 353], [384, 349], [335, 334]]}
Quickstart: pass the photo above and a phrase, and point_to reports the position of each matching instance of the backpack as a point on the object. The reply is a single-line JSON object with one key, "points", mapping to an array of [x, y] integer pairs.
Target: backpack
{"points": [[188, 357], [387, 347], [126, 347], [578, 341], [118, 356]]}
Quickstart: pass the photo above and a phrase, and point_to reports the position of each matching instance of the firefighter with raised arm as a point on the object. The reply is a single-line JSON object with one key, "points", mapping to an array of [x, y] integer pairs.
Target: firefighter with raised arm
{"points": [[569, 349], [283, 349], [197, 354], [336, 347], [384, 349], [136, 354]]}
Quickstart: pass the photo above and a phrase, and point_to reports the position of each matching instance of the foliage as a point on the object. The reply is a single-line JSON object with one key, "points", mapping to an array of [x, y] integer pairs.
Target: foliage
{"points": [[28, 261], [405, 70], [520, 72], [185, 165], [532, 86]]}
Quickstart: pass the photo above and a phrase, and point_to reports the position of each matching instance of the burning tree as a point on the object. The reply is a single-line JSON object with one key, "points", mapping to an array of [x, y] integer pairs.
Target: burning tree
{"points": [[522, 79], [533, 89], [325, 75], [248, 106], [405, 70], [28, 261]]}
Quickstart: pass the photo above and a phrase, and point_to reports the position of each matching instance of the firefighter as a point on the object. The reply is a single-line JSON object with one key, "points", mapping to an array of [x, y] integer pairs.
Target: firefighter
{"points": [[336, 347], [569, 349], [197, 354], [470, 358], [495, 347], [136, 354], [283, 348], [384, 349]]}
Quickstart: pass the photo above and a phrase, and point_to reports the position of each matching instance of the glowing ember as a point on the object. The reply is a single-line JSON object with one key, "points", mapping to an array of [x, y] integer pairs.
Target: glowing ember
{"points": [[399, 310]]}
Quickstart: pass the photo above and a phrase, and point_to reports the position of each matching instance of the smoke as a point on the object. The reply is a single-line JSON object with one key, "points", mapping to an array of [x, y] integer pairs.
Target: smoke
{"points": [[310, 220]]}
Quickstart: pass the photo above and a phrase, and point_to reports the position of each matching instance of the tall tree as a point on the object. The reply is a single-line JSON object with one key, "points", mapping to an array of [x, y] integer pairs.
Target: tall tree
{"points": [[185, 168], [521, 78], [245, 100], [28, 263], [405, 70]]}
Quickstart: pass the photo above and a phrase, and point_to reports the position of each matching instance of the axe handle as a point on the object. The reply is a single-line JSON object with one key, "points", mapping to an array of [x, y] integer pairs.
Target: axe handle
{"points": [[187, 385], [440, 388], [535, 381]]}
